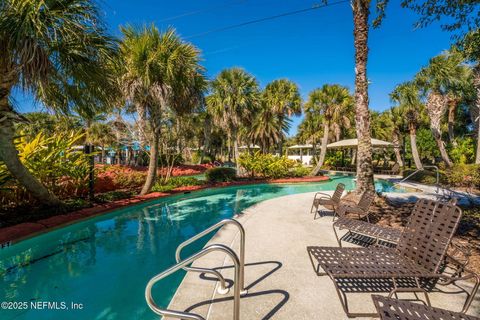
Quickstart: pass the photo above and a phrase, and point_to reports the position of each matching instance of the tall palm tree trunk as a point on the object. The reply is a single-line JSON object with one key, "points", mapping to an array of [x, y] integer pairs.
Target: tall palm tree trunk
{"points": [[452, 107], [323, 150], [236, 152], [154, 153], [436, 105], [396, 148], [362, 116], [9, 155], [476, 82], [413, 145]]}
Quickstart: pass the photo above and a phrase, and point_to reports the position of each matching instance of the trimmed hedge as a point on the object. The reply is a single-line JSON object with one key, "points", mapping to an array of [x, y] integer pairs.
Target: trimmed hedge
{"points": [[220, 174]]}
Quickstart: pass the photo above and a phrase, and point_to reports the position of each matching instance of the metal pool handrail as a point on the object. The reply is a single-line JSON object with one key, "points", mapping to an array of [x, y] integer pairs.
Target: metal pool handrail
{"points": [[423, 169], [193, 316], [223, 288]]}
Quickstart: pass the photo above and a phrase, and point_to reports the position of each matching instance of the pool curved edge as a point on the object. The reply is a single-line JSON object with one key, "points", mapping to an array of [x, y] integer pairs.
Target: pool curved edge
{"points": [[19, 232]]}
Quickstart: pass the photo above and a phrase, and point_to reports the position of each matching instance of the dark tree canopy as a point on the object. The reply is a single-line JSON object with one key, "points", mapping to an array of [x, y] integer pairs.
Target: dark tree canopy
{"points": [[456, 15]]}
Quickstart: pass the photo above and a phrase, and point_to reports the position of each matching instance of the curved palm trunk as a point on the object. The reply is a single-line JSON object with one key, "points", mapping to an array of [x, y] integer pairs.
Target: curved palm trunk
{"points": [[413, 145], [362, 115], [476, 82], [396, 148], [323, 150], [154, 152], [452, 107], [9, 155], [436, 106]]}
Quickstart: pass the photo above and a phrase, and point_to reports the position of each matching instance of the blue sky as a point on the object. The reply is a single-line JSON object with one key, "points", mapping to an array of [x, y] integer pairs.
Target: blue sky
{"points": [[311, 48]]}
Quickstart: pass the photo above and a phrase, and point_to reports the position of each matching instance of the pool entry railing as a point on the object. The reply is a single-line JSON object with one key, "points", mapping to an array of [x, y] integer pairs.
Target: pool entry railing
{"points": [[193, 316], [223, 289], [423, 169]]}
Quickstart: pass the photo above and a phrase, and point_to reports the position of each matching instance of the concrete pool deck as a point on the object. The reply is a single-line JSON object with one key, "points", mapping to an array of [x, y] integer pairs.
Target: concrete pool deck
{"points": [[279, 276]]}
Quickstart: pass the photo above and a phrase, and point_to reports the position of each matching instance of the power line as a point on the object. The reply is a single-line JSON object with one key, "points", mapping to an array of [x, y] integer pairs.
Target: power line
{"points": [[211, 8], [290, 13]]}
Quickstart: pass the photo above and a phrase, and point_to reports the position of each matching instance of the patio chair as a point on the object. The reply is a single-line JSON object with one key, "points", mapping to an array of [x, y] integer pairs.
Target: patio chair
{"points": [[323, 199], [361, 209], [414, 265], [381, 233], [393, 309], [394, 170]]}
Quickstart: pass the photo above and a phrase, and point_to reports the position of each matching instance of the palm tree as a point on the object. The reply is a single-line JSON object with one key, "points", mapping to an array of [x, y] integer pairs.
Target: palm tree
{"points": [[333, 102], [234, 97], [385, 126], [310, 130], [409, 108], [159, 71], [361, 13], [101, 134], [56, 50], [267, 128], [282, 97], [441, 81]]}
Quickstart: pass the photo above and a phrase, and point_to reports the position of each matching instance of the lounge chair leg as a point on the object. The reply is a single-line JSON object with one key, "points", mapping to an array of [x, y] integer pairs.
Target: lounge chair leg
{"points": [[344, 301], [339, 240]]}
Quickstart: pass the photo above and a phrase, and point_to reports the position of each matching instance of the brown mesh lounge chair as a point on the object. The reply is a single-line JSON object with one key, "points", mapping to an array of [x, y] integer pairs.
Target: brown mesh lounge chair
{"points": [[378, 233], [323, 199], [394, 170], [414, 265], [393, 309], [361, 208]]}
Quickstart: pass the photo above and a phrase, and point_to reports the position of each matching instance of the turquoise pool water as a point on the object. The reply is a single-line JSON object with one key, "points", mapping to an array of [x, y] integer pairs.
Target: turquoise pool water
{"points": [[105, 262]]}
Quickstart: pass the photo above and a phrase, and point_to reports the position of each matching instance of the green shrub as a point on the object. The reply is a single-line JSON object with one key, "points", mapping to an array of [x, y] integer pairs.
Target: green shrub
{"points": [[266, 165], [464, 175], [220, 174], [184, 181], [464, 152], [300, 171], [176, 182], [113, 195], [53, 161]]}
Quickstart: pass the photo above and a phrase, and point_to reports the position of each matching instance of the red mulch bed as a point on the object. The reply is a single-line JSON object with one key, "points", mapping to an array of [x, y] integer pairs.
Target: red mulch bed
{"points": [[27, 229]]}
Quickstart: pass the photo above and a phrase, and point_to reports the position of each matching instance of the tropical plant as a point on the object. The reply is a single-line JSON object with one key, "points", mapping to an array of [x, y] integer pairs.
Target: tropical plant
{"points": [[266, 165], [441, 81], [281, 98], [470, 46], [54, 161], [334, 103], [409, 108], [57, 50], [159, 71], [232, 102], [387, 126]]}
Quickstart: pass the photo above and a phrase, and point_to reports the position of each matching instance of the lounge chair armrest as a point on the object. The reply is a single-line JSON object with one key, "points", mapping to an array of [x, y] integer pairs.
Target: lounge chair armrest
{"points": [[468, 275], [323, 195]]}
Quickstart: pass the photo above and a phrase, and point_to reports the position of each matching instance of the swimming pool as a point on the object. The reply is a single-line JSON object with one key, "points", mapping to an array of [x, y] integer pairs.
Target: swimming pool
{"points": [[104, 263]]}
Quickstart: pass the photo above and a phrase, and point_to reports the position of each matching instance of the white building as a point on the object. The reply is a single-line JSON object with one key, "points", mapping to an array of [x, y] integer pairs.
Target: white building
{"points": [[301, 153]]}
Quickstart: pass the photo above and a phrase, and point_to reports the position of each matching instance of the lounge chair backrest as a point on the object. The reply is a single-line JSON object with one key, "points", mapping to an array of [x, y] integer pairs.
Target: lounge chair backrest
{"points": [[396, 168], [338, 192], [428, 233], [366, 200]]}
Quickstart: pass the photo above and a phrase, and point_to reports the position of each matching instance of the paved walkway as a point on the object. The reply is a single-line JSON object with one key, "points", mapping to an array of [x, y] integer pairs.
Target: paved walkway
{"points": [[279, 276]]}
